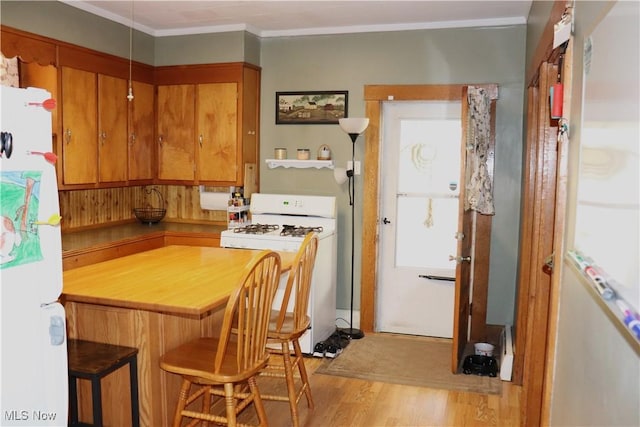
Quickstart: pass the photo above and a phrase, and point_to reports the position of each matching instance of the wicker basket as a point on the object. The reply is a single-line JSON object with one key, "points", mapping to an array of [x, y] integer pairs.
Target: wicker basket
{"points": [[150, 215]]}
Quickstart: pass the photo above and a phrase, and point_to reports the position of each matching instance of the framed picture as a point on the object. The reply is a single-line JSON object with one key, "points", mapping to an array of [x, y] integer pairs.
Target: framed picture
{"points": [[311, 108]]}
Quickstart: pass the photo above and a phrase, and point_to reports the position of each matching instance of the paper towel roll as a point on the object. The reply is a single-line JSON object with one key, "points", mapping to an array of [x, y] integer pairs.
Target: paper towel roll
{"points": [[214, 201]]}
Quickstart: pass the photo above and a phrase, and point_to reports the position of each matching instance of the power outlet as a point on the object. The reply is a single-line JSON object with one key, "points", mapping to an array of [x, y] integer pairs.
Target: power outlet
{"points": [[356, 171]]}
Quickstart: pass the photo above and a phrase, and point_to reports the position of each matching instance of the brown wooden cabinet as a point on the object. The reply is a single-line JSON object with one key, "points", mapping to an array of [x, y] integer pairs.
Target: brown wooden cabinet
{"points": [[218, 143], [33, 74], [176, 132], [112, 128], [250, 115], [205, 118], [216, 108], [79, 127], [106, 138], [198, 132], [141, 157]]}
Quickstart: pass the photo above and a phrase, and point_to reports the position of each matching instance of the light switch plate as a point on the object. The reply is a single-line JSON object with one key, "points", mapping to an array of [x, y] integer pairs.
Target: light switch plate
{"points": [[356, 171]]}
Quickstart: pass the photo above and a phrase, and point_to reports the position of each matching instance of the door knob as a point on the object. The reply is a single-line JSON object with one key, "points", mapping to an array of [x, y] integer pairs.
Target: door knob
{"points": [[459, 259], [386, 221]]}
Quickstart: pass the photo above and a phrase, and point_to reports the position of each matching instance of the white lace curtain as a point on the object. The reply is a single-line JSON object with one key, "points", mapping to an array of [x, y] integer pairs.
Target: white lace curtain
{"points": [[479, 188], [9, 71]]}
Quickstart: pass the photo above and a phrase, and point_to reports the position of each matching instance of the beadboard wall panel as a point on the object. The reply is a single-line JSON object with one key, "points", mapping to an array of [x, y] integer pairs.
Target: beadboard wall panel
{"points": [[81, 209]]}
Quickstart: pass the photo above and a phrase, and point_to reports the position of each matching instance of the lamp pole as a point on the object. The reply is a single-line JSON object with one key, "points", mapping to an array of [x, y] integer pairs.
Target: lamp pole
{"points": [[351, 332], [352, 127]]}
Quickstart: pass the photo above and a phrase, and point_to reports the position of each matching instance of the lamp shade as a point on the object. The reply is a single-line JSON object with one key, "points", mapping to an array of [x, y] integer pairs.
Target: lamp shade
{"points": [[354, 125], [340, 175]]}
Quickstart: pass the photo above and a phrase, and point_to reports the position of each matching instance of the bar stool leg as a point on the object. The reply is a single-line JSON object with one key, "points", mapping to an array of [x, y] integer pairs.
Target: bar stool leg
{"points": [[73, 402], [96, 398], [133, 380]]}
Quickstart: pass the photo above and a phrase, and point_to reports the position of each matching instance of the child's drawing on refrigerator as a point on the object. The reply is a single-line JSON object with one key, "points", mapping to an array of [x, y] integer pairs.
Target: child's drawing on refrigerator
{"points": [[19, 239]]}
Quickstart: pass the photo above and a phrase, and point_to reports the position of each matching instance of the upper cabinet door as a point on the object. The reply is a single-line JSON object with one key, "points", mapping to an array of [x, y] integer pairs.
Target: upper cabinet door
{"points": [[176, 132], [79, 127], [112, 128], [250, 115], [141, 144], [217, 138]]}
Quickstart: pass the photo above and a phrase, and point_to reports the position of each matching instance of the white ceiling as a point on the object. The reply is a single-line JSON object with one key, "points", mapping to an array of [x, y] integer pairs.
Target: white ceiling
{"points": [[271, 18]]}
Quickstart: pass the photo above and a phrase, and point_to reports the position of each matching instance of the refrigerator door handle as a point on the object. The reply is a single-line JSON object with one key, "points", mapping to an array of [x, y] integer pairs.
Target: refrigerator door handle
{"points": [[56, 330]]}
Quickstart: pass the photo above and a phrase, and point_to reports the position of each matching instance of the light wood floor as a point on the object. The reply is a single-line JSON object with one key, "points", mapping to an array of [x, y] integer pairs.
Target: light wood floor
{"points": [[352, 402]]}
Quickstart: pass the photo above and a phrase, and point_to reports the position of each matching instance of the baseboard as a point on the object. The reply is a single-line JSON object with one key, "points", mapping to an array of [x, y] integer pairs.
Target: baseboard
{"points": [[342, 318], [506, 356]]}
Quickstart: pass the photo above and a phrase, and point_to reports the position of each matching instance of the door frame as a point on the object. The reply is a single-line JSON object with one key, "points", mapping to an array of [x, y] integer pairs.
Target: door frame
{"points": [[538, 300], [374, 96], [543, 227]]}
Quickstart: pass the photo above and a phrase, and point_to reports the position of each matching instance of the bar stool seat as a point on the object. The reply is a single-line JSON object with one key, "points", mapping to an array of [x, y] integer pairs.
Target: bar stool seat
{"points": [[93, 361]]}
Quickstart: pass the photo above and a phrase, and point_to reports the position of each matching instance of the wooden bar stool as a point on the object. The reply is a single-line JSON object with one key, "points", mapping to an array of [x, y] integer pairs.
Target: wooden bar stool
{"points": [[93, 361]]}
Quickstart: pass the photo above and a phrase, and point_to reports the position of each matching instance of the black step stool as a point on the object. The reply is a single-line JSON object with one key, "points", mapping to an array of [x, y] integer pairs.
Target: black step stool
{"points": [[93, 361]]}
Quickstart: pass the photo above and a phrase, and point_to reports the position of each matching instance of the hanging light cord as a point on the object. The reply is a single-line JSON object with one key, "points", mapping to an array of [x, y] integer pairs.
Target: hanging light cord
{"points": [[130, 94]]}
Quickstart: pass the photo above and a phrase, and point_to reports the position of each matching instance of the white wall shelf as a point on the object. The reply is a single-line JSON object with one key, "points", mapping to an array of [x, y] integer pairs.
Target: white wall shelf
{"points": [[299, 164]]}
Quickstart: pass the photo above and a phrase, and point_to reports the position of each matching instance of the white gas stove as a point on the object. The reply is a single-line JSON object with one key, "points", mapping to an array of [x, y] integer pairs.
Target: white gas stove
{"points": [[279, 222]]}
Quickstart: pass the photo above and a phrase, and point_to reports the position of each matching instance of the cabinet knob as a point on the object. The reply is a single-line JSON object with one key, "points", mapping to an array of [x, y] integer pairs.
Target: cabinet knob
{"points": [[200, 139], [133, 138], [160, 139], [68, 135]]}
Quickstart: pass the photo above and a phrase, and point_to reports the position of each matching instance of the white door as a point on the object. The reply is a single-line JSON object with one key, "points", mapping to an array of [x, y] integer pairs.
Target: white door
{"points": [[419, 210]]}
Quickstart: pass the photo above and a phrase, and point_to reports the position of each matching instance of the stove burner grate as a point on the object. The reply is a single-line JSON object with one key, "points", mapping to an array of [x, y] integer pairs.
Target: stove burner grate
{"points": [[256, 228], [298, 231]]}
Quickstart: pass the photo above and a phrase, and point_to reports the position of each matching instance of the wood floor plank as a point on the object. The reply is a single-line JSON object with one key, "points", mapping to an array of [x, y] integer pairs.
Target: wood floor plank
{"points": [[349, 402], [342, 402]]}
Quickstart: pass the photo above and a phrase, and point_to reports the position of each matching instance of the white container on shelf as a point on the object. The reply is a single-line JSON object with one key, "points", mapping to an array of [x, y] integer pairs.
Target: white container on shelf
{"points": [[280, 153], [304, 154]]}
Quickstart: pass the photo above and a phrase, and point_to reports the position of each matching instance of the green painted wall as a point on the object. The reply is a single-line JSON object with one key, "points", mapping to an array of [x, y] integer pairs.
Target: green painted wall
{"points": [[336, 62], [200, 49]]}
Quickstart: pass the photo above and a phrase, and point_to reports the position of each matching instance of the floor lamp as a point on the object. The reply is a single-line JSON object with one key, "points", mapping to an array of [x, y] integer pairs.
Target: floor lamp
{"points": [[353, 127]]}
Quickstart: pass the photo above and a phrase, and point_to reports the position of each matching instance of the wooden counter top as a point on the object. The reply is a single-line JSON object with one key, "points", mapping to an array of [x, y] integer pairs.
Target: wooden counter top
{"points": [[73, 241], [86, 247], [186, 280]]}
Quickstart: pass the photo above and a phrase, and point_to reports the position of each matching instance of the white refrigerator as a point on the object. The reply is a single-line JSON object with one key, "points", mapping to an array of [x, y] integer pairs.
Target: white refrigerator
{"points": [[33, 352]]}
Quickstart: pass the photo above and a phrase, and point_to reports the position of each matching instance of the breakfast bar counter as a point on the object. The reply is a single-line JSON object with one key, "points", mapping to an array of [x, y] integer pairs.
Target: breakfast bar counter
{"points": [[154, 301], [85, 247]]}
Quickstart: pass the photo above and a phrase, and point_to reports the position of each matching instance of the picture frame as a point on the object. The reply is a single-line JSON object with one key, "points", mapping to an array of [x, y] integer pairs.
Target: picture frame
{"points": [[322, 107]]}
